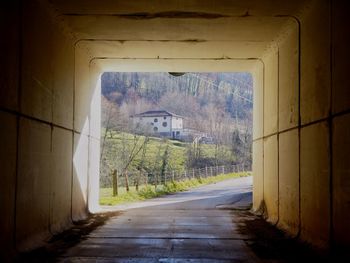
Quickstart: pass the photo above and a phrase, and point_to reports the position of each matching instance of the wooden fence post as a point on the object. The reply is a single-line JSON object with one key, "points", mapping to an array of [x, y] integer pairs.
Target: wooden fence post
{"points": [[137, 181], [127, 180], [115, 182], [156, 184], [206, 171]]}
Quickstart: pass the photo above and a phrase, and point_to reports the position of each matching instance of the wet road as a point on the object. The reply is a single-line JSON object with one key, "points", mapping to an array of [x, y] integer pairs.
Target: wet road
{"points": [[192, 226]]}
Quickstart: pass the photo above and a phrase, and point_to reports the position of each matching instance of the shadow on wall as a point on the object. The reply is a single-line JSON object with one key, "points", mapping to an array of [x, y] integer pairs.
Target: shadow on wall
{"points": [[44, 157]]}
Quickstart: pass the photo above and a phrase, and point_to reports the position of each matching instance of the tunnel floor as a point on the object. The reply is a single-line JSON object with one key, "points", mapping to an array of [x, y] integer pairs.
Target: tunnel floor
{"points": [[208, 224], [193, 226]]}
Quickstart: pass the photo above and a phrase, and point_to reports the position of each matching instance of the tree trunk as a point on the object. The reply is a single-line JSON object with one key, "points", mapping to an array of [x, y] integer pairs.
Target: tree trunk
{"points": [[127, 181], [137, 181], [156, 184], [115, 182]]}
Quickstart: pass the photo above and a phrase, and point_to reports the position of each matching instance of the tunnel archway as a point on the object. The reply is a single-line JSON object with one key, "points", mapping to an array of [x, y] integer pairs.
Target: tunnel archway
{"points": [[158, 65], [56, 51]]}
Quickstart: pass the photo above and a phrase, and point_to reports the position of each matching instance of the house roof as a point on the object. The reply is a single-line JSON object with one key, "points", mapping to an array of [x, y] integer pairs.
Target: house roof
{"points": [[155, 113]]}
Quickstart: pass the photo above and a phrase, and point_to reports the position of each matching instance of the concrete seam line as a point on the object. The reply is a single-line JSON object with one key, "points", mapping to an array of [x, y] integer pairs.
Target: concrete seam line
{"points": [[122, 41], [19, 98], [50, 184], [168, 58], [25, 116], [263, 129], [73, 134], [325, 119], [89, 150], [278, 137], [299, 122], [330, 127]]}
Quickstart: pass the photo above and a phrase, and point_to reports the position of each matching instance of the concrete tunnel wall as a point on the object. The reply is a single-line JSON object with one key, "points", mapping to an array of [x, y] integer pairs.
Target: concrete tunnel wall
{"points": [[48, 101], [301, 176], [49, 108]]}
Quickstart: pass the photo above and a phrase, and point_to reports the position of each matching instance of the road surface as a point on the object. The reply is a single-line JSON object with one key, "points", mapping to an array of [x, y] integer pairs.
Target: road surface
{"points": [[193, 226]]}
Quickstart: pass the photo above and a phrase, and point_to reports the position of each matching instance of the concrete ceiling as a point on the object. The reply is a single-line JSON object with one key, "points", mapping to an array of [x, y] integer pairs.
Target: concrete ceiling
{"points": [[175, 65], [173, 49], [251, 29], [220, 7], [176, 29]]}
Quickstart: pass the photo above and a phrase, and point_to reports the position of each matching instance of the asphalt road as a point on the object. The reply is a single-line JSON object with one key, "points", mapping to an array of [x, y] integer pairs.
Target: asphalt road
{"points": [[193, 226]]}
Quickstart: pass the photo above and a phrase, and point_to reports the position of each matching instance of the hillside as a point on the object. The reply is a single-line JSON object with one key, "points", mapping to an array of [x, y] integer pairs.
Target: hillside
{"points": [[216, 104], [232, 93], [159, 154]]}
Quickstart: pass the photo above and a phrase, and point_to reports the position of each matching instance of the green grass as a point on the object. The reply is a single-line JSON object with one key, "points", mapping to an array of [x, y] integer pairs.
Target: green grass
{"points": [[155, 147], [177, 151], [147, 192]]}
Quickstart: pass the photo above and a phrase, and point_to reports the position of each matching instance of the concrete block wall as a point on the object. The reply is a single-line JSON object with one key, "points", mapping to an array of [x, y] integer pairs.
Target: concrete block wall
{"points": [[81, 122], [301, 156], [8, 157], [341, 182], [258, 145], [50, 103], [340, 124], [45, 113]]}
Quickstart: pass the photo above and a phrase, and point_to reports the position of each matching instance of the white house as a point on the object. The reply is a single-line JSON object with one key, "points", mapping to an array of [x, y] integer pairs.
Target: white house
{"points": [[159, 122]]}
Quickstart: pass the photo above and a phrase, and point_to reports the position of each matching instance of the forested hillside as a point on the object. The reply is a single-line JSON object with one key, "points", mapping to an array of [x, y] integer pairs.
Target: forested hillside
{"points": [[191, 95], [217, 104]]}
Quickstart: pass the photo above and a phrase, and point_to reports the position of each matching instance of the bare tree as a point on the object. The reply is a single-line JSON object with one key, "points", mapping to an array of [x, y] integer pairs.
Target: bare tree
{"points": [[109, 116]]}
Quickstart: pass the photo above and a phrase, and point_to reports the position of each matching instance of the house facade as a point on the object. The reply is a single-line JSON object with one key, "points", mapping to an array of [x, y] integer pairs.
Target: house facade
{"points": [[159, 122]]}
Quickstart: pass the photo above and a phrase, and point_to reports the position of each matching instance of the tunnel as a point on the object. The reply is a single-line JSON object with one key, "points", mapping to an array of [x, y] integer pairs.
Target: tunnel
{"points": [[54, 52]]}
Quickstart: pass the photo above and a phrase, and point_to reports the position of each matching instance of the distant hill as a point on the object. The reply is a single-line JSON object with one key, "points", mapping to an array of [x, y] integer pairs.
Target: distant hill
{"points": [[216, 104], [232, 93]]}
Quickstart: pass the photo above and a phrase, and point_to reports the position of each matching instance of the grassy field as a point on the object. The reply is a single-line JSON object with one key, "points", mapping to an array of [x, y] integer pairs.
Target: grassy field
{"points": [[146, 192], [177, 151]]}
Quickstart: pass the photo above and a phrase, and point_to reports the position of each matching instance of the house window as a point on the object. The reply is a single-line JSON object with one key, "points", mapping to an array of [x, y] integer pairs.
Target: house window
{"points": [[155, 129], [165, 124], [140, 118], [164, 118], [155, 120]]}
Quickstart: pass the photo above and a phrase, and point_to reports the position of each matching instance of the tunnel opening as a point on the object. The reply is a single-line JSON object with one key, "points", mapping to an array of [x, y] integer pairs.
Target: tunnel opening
{"points": [[159, 129], [56, 52]]}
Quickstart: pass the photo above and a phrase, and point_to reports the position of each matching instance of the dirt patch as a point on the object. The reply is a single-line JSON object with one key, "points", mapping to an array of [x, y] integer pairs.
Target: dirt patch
{"points": [[59, 243]]}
